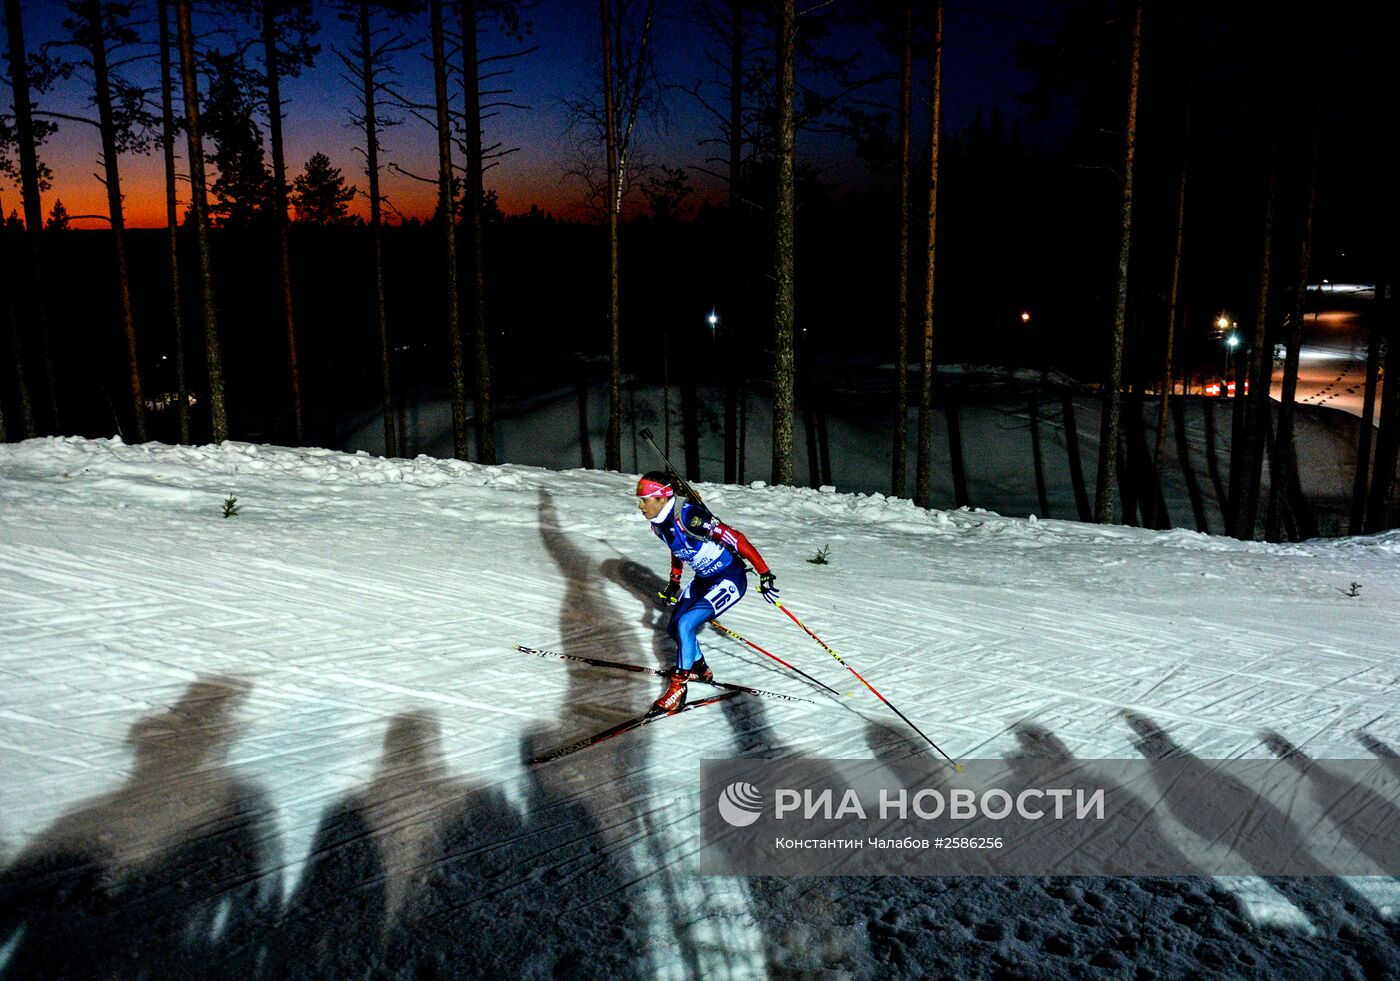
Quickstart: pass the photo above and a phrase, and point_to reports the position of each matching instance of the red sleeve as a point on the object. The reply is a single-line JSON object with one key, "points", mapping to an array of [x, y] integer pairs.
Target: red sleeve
{"points": [[735, 539], [677, 566]]}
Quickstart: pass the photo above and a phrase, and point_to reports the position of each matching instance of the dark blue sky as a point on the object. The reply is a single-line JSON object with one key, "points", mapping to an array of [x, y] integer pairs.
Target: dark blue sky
{"points": [[979, 72]]}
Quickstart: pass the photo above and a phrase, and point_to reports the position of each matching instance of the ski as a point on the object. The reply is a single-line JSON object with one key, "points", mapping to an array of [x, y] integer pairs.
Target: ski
{"points": [[599, 662], [627, 726]]}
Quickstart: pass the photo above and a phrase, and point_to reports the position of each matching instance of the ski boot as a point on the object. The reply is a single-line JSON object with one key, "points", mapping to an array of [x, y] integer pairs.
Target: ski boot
{"points": [[700, 671], [672, 700]]}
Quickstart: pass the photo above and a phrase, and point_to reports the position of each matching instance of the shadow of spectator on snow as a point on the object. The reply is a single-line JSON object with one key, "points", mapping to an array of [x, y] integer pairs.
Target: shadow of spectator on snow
{"points": [[422, 873], [167, 876], [370, 857], [1329, 901], [1378, 748], [1370, 817]]}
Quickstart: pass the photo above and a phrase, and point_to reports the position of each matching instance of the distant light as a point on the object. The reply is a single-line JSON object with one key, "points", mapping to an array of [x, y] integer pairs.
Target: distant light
{"points": [[713, 318], [1025, 316], [1233, 340], [1223, 322]]}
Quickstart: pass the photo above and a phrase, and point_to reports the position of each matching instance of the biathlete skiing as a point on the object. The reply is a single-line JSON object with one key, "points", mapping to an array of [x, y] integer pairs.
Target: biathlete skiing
{"points": [[716, 552]]}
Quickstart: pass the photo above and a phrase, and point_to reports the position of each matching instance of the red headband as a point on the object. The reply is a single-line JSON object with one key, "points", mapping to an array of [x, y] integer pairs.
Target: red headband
{"points": [[653, 488]]}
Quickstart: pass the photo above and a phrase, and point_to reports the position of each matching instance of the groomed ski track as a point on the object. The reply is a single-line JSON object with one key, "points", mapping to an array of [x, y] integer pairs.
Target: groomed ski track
{"points": [[320, 693]]}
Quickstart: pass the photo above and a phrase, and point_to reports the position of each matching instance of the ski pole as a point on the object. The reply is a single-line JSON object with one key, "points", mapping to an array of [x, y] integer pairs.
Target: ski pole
{"points": [[685, 485], [956, 765], [744, 640]]}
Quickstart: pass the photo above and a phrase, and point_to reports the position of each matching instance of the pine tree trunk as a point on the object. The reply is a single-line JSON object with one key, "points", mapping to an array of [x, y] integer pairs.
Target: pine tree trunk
{"points": [[172, 221], [899, 478], [784, 216], [112, 178], [1245, 501], [1361, 482], [1285, 457], [1076, 464], [612, 443], [690, 426], [1105, 492], [38, 321], [11, 339], [923, 481], [1168, 353], [376, 233], [199, 208], [279, 209], [447, 213], [485, 422], [1388, 438], [737, 292]]}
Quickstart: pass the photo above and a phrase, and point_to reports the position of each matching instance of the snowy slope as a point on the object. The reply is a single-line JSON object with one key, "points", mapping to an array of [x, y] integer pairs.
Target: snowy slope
{"points": [[288, 743], [1004, 415]]}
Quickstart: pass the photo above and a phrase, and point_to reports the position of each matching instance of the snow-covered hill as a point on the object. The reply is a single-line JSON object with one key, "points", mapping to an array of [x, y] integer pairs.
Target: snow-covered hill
{"points": [[287, 743]]}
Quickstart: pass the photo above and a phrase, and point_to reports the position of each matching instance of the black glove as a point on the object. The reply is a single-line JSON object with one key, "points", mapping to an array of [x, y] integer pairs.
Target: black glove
{"points": [[670, 594], [768, 587]]}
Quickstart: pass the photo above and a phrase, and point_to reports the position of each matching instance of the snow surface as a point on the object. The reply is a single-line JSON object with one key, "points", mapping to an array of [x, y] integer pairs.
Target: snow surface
{"points": [[288, 743]]}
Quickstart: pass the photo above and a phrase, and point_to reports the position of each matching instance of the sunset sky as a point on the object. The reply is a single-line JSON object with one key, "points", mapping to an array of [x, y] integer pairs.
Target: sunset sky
{"points": [[979, 72]]}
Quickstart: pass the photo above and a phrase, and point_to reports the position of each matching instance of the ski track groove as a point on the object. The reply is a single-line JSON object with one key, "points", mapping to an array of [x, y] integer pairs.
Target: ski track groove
{"points": [[1003, 653]]}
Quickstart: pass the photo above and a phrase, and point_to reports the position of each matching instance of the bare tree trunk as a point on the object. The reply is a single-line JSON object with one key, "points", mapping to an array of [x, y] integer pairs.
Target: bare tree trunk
{"points": [[279, 208], [1168, 354], [1388, 439], [376, 232], [1285, 456], [172, 221], [33, 209], [11, 329], [690, 426], [1244, 499], [11, 326], [612, 443], [784, 214], [899, 478], [112, 178], [737, 291], [1362, 481], [471, 85], [449, 238], [666, 391], [923, 481], [1105, 493], [199, 208]]}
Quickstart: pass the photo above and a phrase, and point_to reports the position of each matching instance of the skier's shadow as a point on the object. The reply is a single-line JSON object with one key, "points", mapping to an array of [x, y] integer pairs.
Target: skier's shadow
{"points": [[168, 876], [589, 626], [645, 585]]}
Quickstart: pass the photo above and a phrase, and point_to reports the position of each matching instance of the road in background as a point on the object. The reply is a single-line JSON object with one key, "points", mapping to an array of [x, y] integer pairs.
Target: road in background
{"points": [[1332, 358]]}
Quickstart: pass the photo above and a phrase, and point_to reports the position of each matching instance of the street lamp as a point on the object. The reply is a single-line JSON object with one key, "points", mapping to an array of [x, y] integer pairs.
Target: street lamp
{"points": [[713, 321]]}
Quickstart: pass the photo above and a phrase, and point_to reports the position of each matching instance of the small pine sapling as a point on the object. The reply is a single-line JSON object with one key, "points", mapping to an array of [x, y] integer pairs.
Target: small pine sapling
{"points": [[231, 507], [821, 557]]}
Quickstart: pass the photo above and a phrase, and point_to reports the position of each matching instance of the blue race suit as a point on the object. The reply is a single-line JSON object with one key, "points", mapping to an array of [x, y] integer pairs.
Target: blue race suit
{"points": [[713, 550]]}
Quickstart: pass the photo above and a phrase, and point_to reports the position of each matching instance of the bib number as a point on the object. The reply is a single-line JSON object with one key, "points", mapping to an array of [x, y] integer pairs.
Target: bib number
{"points": [[722, 596]]}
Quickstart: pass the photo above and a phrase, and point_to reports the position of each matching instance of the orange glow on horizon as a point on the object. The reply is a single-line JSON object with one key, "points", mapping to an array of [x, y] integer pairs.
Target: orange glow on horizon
{"points": [[143, 199]]}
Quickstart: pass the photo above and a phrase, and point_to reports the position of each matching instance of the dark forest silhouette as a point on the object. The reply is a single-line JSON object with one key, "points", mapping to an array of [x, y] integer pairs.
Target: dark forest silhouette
{"points": [[1069, 255]]}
